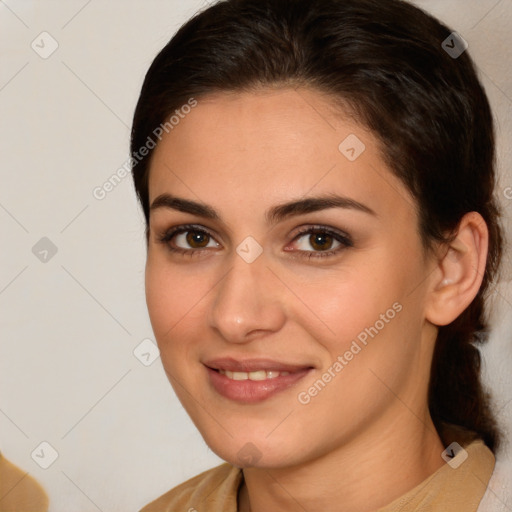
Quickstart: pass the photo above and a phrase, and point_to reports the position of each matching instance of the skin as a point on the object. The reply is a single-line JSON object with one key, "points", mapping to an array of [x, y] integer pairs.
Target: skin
{"points": [[367, 437]]}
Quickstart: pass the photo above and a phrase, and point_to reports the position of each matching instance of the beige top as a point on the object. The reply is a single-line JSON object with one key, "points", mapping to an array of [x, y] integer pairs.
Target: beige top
{"points": [[459, 489], [19, 492]]}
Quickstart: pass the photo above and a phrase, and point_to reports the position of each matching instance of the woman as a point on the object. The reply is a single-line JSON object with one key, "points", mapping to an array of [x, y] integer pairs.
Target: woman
{"points": [[317, 180]]}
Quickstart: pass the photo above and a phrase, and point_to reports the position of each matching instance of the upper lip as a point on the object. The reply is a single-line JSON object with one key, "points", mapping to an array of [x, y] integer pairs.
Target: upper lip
{"points": [[251, 365]]}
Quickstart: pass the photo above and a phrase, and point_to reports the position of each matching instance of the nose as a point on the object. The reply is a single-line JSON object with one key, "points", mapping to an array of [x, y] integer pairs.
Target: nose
{"points": [[248, 302]]}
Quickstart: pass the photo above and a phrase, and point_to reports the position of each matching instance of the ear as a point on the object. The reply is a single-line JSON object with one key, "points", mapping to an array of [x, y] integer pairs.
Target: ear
{"points": [[459, 271]]}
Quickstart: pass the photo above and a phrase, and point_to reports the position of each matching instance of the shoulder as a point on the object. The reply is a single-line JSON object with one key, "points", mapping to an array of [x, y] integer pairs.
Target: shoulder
{"points": [[499, 488], [213, 490], [18, 490]]}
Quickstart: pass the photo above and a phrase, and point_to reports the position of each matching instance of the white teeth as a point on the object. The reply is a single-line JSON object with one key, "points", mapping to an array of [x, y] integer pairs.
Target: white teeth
{"points": [[257, 375]]}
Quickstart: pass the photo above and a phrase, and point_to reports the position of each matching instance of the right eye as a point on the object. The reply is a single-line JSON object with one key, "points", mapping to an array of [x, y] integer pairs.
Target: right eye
{"points": [[187, 239]]}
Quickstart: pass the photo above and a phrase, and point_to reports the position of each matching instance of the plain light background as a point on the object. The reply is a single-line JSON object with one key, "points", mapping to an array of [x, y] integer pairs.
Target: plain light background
{"points": [[70, 324]]}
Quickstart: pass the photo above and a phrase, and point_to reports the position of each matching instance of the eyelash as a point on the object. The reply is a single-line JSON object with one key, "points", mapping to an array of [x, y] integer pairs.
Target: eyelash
{"points": [[343, 239]]}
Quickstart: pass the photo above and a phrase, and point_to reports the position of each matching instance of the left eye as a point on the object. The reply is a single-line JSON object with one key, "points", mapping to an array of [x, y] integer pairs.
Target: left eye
{"points": [[321, 240]]}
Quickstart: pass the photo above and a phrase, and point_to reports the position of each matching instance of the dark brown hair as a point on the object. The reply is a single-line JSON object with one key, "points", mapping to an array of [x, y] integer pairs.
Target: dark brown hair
{"points": [[382, 60]]}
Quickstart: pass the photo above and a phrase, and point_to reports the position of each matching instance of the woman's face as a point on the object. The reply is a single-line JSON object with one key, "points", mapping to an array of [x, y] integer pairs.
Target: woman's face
{"points": [[287, 332]]}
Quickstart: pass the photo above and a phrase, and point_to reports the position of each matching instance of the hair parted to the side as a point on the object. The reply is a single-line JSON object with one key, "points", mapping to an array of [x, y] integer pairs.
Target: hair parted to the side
{"points": [[382, 61]]}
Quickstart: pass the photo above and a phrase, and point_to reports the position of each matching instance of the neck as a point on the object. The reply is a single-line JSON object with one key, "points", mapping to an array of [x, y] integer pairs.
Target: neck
{"points": [[362, 475]]}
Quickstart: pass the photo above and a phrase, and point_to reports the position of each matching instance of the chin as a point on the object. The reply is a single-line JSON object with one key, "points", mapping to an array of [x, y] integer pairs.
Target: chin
{"points": [[257, 451]]}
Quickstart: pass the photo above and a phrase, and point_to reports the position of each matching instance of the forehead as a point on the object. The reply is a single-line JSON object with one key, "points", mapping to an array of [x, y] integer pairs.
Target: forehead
{"points": [[256, 148]]}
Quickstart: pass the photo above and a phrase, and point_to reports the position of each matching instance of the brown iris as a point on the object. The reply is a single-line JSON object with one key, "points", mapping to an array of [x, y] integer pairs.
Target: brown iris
{"points": [[196, 237], [319, 240]]}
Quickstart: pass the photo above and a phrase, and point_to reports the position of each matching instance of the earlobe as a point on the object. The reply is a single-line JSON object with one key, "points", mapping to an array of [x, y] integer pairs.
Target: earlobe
{"points": [[459, 271]]}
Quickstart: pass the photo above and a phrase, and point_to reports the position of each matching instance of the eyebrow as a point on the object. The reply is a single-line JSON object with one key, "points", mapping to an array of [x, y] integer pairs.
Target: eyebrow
{"points": [[273, 215]]}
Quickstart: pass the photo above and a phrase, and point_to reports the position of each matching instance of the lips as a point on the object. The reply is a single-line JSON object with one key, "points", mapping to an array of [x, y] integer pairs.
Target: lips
{"points": [[252, 380]]}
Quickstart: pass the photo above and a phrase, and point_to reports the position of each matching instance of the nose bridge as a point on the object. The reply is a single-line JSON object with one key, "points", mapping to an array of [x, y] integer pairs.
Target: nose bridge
{"points": [[246, 298]]}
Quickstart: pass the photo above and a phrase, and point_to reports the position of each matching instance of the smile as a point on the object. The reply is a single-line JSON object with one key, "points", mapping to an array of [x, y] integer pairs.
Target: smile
{"points": [[257, 375], [251, 381]]}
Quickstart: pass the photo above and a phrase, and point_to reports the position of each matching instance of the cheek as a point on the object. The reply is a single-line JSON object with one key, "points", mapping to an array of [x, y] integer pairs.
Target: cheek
{"points": [[348, 305], [175, 298], [167, 298], [370, 313]]}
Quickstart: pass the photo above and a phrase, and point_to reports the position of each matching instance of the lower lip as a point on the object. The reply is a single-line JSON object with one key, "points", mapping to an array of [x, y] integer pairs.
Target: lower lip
{"points": [[253, 391]]}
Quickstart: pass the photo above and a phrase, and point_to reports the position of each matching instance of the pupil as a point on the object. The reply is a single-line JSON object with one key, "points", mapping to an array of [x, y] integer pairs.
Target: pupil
{"points": [[320, 239]]}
